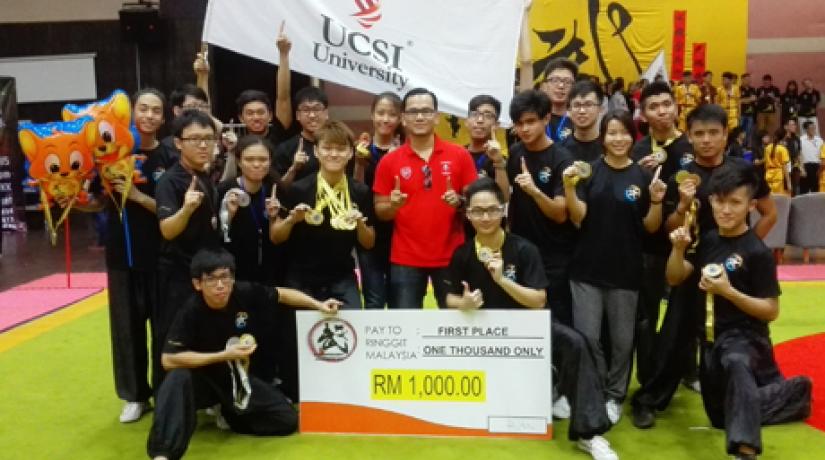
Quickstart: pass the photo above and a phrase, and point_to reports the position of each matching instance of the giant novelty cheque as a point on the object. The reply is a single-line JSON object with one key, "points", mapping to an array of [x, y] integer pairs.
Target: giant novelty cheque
{"points": [[485, 373]]}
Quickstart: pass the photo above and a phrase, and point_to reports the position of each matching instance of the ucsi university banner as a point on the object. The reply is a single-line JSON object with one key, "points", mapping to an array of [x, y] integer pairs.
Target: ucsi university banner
{"points": [[456, 48]]}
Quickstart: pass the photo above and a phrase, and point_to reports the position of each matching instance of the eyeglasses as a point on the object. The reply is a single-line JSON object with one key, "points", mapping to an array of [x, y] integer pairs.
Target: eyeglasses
{"points": [[559, 81], [494, 212], [414, 113], [311, 110], [196, 141], [428, 177], [203, 107], [488, 116], [586, 105], [212, 281]]}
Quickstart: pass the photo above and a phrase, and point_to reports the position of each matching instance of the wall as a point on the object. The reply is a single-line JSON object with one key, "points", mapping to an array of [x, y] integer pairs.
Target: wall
{"points": [[59, 11]]}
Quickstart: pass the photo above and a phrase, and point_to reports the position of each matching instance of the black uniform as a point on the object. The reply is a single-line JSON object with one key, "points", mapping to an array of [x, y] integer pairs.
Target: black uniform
{"points": [[202, 329], [578, 378], [133, 239], [174, 283], [554, 240], [742, 387], [375, 263], [285, 154], [656, 247], [674, 345], [587, 151]]}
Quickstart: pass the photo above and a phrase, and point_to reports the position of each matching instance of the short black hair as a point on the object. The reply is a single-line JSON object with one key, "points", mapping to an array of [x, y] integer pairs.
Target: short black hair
{"points": [[727, 178], [728, 75], [807, 124], [622, 116], [484, 184], [746, 74], [253, 139], [655, 89], [208, 260], [561, 63], [482, 99], [252, 95], [584, 87], [531, 100], [310, 94], [191, 117], [687, 73], [767, 76], [154, 92], [708, 113], [188, 89], [707, 72], [419, 92]]}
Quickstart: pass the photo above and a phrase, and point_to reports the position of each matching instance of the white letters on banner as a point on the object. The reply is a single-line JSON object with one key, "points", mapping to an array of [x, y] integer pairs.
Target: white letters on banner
{"points": [[457, 49], [484, 373]]}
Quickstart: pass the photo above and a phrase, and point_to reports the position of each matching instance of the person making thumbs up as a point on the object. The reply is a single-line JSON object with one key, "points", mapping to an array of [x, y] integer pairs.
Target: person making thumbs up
{"points": [[187, 212], [418, 186]]}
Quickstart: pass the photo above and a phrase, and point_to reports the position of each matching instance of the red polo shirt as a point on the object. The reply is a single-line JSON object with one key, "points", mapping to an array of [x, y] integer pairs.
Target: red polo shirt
{"points": [[426, 229]]}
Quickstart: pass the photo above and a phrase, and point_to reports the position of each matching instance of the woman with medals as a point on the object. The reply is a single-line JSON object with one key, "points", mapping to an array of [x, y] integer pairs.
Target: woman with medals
{"points": [[613, 208], [497, 269], [374, 263], [245, 204]]}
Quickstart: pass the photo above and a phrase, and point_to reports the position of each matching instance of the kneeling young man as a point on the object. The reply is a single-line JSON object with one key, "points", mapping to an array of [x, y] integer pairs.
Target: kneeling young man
{"points": [[501, 270], [207, 355], [742, 387]]}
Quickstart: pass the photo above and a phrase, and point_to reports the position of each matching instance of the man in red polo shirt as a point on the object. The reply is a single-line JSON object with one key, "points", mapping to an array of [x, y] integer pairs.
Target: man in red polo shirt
{"points": [[418, 187]]}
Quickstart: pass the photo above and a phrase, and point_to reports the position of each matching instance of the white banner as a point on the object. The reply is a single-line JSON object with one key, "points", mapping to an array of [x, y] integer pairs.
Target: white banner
{"points": [[456, 48], [485, 373]]}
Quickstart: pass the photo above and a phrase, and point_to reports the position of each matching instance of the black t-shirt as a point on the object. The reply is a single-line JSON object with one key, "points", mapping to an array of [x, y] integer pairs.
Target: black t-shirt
{"points": [[793, 145], [679, 154], [202, 329], [521, 264], [559, 128], [766, 97], [202, 229], [278, 134], [320, 252], [790, 104], [554, 240], [285, 154], [144, 233], [808, 100], [483, 164], [609, 250], [747, 91], [169, 143], [255, 256], [383, 229], [588, 151], [751, 269], [705, 214]]}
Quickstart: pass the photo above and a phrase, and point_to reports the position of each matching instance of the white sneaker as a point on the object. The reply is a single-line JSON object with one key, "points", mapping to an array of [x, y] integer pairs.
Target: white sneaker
{"points": [[598, 448], [561, 408], [133, 411], [220, 421], [614, 410]]}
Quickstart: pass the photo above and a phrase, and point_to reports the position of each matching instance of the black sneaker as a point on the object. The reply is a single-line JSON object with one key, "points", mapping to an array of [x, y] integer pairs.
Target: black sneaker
{"points": [[643, 417]]}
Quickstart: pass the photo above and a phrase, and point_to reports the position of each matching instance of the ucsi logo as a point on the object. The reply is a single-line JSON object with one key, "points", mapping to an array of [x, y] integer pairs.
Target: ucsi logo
{"points": [[369, 12]]}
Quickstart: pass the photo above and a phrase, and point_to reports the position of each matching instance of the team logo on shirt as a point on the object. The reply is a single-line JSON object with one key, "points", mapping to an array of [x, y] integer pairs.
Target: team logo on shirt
{"points": [[686, 159], [406, 172], [510, 272], [544, 174], [632, 193], [240, 319], [733, 262], [565, 133], [445, 167], [369, 12], [332, 339], [156, 174]]}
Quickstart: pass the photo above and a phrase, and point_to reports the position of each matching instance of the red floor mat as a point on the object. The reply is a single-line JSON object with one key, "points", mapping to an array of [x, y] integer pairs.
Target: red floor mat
{"points": [[803, 356]]}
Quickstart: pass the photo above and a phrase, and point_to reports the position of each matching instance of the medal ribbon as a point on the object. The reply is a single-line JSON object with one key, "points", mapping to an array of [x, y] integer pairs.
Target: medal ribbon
{"points": [[335, 198]]}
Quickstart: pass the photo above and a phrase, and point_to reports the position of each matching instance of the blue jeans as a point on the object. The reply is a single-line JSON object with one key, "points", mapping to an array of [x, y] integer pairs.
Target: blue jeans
{"points": [[408, 286], [375, 277], [746, 122]]}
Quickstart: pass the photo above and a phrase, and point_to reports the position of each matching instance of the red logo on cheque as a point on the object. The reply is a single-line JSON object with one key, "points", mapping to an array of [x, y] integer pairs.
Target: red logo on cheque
{"points": [[332, 339], [368, 12]]}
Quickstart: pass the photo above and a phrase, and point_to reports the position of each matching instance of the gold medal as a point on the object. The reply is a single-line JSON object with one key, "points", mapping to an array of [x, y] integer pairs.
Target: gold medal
{"points": [[314, 217], [684, 175], [584, 170], [485, 254], [247, 339]]}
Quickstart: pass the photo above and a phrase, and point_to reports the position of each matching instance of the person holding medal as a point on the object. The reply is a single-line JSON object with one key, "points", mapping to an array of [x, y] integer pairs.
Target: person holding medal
{"points": [[606, 275], [328, 215], [207, 354], [687, 203], [742, 387], [374, 263], [187, 210], [496, 269]]}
